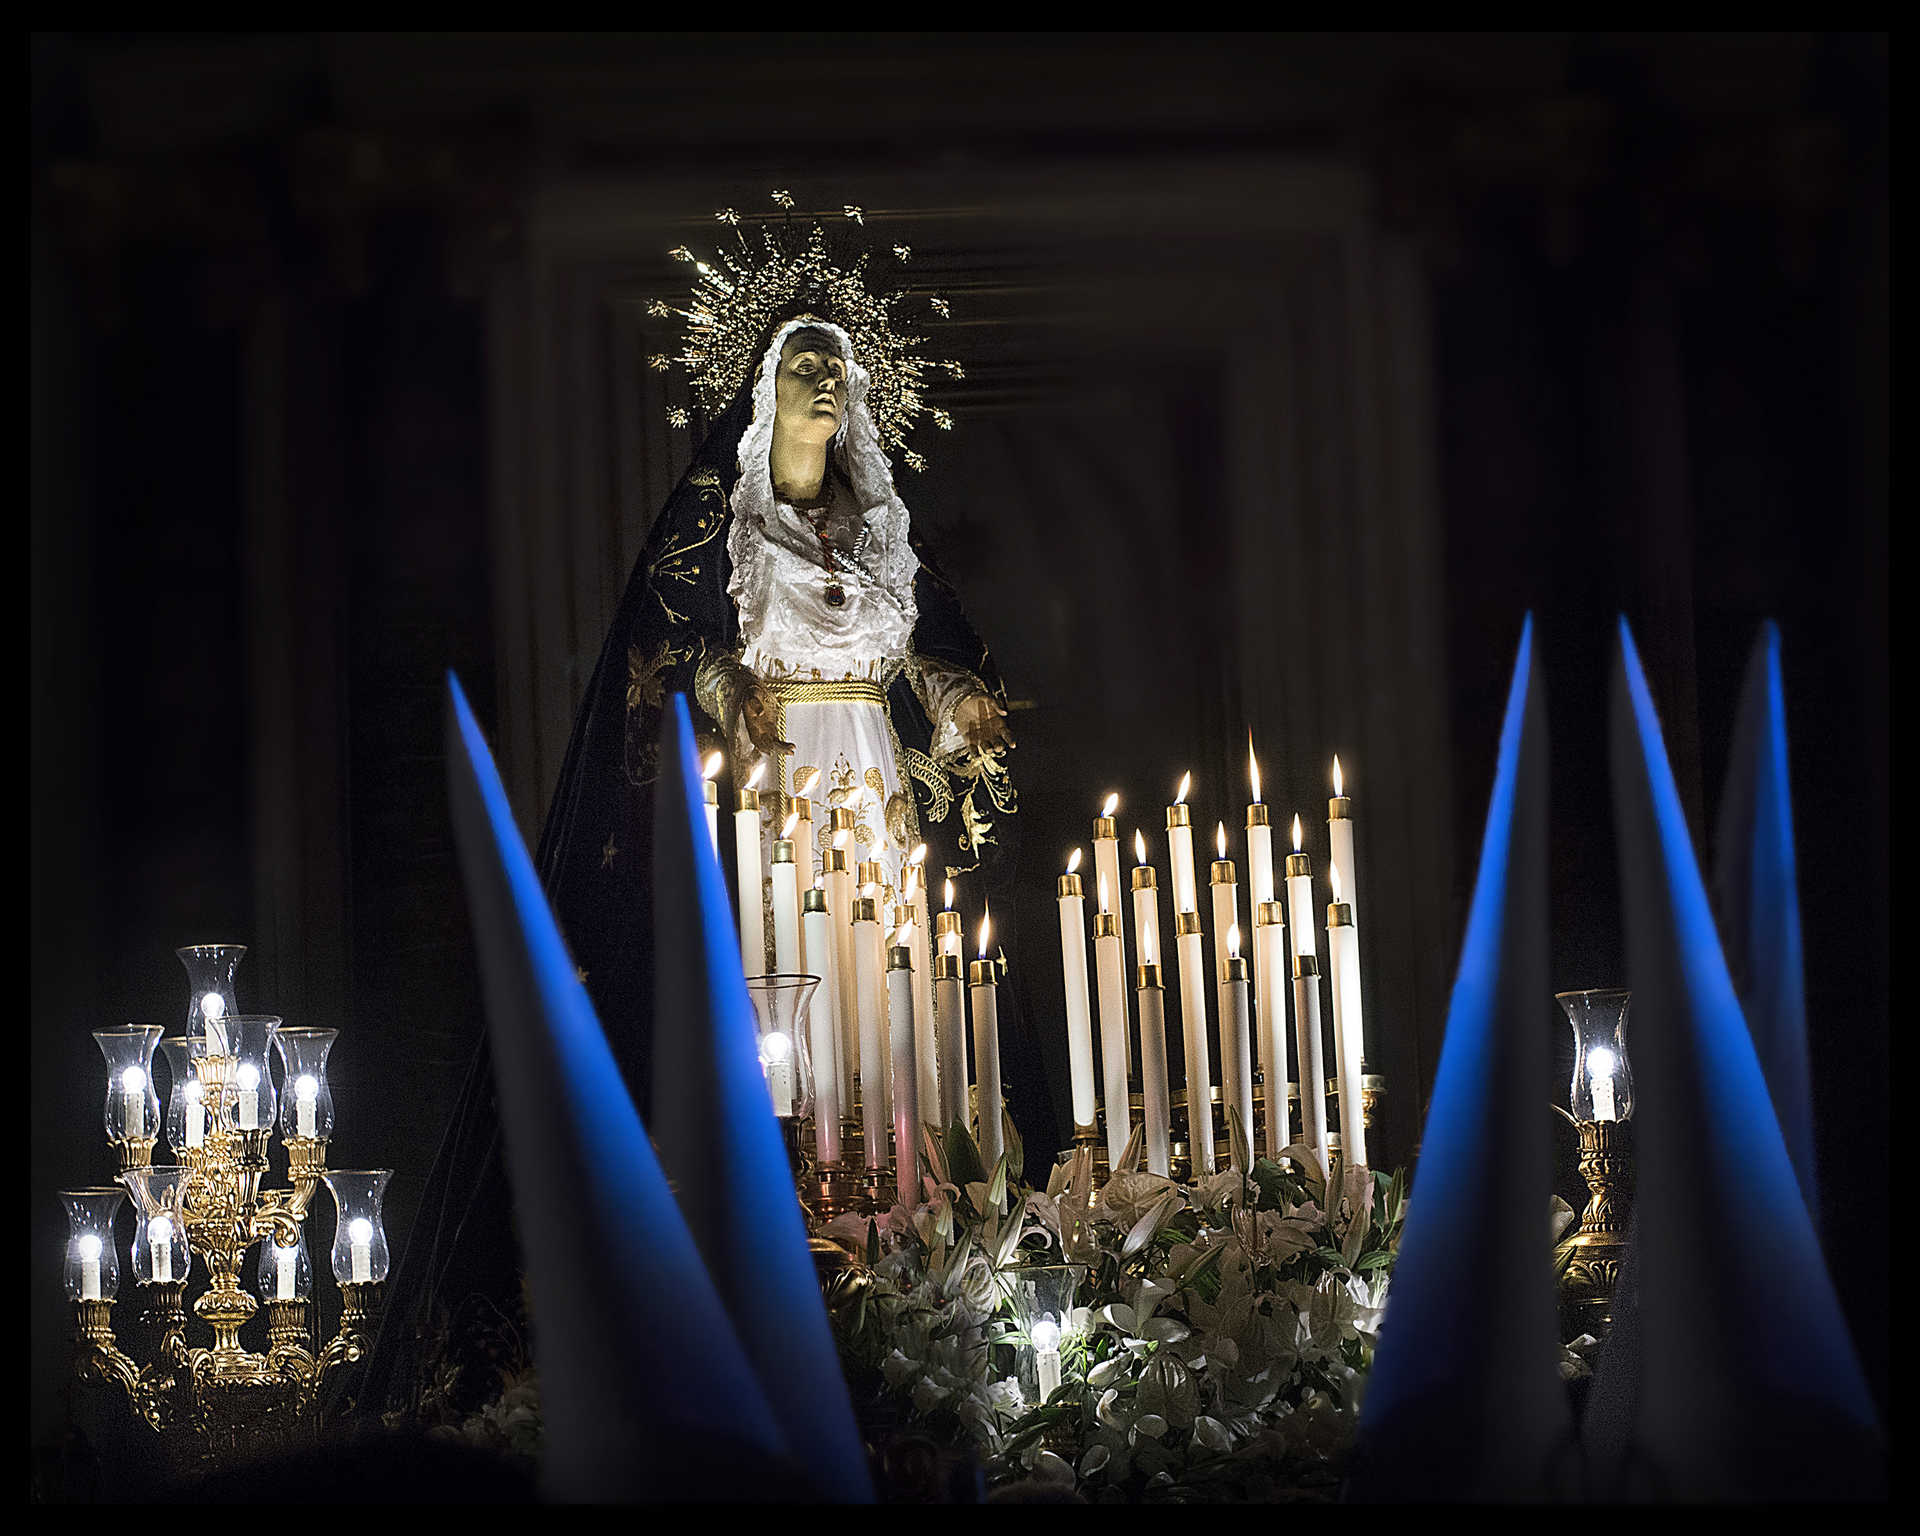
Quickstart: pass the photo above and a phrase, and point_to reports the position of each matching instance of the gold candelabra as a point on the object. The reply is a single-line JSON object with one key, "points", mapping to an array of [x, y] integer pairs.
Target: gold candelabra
{"points": [[1592, 1275], [196, 1222]]}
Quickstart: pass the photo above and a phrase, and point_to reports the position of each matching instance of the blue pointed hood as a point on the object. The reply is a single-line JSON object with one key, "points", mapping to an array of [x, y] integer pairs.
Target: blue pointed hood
{"points": [[1749, 1386], [720, 1141], [638, 1360], [1465, 1400], [1757, 895]]}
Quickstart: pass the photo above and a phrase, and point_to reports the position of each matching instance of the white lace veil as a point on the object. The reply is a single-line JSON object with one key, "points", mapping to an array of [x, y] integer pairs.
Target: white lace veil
{"points": [[769, 541]]}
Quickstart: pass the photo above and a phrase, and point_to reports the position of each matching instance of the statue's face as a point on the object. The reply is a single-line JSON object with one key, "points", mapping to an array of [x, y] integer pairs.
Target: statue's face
{"points": [[810, 394]]}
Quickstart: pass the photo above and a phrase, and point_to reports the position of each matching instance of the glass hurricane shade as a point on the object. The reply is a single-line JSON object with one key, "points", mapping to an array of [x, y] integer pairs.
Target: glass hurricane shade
{"points": [[1602, 1087], [210, 997], [179, 1075], [1043, 1298], [359, 1238], [779, 1004], [160, 1251], [92, 1270], [133, 1108], [284, 1274], [306, 1102], [241, 1081]]}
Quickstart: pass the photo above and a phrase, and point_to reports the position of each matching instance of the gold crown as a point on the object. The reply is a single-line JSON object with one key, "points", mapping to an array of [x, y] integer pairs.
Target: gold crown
{"points": [[797, 271]]}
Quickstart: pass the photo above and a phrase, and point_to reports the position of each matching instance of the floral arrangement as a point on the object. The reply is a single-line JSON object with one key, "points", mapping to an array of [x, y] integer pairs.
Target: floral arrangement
{"points": [[1219, 1337]]}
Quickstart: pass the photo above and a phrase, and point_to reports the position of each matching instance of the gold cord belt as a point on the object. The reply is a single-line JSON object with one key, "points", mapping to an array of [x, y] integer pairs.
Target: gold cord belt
{"points": [[850, 690]]}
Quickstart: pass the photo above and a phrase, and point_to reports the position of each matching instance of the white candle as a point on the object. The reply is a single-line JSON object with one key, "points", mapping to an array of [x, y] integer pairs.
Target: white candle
{"points": [[839, 887], [1146, 904], [196, 1116], [711, 791], [926, 1049], [1300, 898], [777, 1065], [1180, 849], [360, 1238], [1236, 1045], [870, 995], [284, 1260], [1191, 952], [949, 926], [306, 1100], [1313, 1072], [133, 1102], [786, 903], [906, 1088], [1106, 868], [1343, 966], [823, 1014], [1073, 966], [1259, 839], [1156, 1106], [1340, 841], [247, 1101], [985, 998], [160, 1246], [1600, 1068], [88, 1247], [1113, 1026], [746, 864], [1223, 882], [869, 879], [213, 1010], [950, 1013], [1270, 991], [1046, 1356]]}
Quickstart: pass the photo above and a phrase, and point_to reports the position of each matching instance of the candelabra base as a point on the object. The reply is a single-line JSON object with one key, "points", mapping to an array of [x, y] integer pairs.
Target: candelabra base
{"points": [[836, 1190]]}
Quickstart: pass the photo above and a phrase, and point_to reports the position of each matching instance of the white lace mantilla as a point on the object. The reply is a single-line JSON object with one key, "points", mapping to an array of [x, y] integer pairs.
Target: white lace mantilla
{"points": [[779, 582]]}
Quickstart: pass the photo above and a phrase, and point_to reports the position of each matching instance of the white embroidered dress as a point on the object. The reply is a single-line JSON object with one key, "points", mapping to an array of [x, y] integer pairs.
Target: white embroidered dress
{"points": [[829, 665]]}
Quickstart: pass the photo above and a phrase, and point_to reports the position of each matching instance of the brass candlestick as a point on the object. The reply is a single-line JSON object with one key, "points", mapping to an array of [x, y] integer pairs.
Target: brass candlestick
{"points": [[1599, 1244]]}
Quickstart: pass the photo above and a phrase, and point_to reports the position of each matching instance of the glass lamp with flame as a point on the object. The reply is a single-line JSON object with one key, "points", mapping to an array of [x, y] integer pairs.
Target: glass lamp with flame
{"points": [[1602, 1087], [133, 1109]]}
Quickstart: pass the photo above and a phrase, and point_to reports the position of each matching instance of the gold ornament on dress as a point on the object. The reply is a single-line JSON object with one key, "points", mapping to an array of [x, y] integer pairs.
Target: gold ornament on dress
{"points": [[786, 267]]}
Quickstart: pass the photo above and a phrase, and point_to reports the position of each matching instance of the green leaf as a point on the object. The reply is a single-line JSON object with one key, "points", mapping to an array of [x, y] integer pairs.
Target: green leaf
{"points": [[1377, 1259], [873, 1242], [963, 1157], [1238, 1139], [1135, 1148], [997, 1189], [1016, 1151], [934, 1152]]}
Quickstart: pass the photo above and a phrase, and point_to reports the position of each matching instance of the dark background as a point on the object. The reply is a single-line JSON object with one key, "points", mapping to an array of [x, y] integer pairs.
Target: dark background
{"points": [[1299, 368]]}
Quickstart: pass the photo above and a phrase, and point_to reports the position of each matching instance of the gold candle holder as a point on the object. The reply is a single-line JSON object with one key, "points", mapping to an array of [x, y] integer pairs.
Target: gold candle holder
{"points": [[288, 1325], [1257, 815], [1599, 1244]]}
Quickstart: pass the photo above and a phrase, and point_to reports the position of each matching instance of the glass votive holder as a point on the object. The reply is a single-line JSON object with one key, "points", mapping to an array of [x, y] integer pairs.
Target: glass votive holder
{"points": [[359, 1237], [92, 1271], [211, 997], [161, 1255], [306, 1102], [133, 1108]]}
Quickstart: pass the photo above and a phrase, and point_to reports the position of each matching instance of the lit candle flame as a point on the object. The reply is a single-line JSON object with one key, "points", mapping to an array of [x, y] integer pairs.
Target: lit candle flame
{"points": [[1139, 846], [1220, 838], [807, 780], [918, 856], [986, 927], [1333, 876], [1296, 834], [759, 772], [1253, 766], [1233, 941], [949, 895], [820, 882], [1186, 783], [793, 820], [1103, 892], [1146, 946], [840, 838], [712, 765], [1337, 789], [910, 884], [902, 936], [1073, 861], [1112, 805]]}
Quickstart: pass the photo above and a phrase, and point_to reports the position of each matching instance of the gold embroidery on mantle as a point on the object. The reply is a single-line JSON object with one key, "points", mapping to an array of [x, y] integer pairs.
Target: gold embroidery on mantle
{"points": [[673, 562]]}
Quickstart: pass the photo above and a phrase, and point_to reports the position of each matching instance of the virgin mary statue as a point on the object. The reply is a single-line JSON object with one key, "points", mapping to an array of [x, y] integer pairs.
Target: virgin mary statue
{"points": [[783, 590]]}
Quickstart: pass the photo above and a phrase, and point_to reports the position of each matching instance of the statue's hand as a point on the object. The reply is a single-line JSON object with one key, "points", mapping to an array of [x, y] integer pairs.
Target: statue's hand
{"points": [[757, 713], [981, 720]]}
